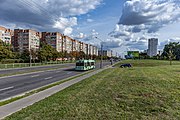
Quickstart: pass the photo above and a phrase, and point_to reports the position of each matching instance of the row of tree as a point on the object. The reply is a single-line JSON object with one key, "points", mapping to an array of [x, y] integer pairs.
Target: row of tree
{"points": [[45, 53]]}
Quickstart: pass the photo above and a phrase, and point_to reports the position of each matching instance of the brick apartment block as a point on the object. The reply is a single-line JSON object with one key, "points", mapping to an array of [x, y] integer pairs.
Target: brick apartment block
{"points": [[26, 40]]}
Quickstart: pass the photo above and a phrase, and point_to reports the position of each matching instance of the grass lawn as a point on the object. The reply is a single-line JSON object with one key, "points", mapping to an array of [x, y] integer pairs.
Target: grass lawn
{"points": [[149, 90]]}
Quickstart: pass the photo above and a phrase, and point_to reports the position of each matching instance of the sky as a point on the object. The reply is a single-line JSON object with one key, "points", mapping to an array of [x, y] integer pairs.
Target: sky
{"points": [[120, 25]]}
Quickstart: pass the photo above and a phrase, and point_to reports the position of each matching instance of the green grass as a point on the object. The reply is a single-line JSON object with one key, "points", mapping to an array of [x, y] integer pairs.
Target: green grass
{"points": [[142, 92], [149, 63]]}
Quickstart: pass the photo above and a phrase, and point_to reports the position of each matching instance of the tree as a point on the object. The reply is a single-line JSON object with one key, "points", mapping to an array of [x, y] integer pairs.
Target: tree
{"points": [[25, 55], [5, 53], [47, 53], [170, 55], [171, 50]]}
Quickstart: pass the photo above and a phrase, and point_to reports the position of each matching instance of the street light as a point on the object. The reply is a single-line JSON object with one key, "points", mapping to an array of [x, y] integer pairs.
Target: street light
{"points": [[101, 52]]}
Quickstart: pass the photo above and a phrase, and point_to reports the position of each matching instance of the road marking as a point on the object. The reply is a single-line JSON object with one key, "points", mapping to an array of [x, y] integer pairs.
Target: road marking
{"points": [[48, 78], [58, 71], [7, 88], [35, 76], [69, 72]]}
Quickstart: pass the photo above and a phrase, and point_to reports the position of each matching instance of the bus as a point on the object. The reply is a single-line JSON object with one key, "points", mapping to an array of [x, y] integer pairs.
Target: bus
{"points": [[83, 65]]}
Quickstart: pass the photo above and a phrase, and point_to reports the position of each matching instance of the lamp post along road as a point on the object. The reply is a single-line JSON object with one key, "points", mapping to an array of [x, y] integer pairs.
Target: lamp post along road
{"points": [[101, 52], [101, 55]]}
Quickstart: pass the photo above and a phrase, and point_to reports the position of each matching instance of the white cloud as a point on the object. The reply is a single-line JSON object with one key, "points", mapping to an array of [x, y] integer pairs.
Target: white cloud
{"points": [[90, 20], [162, 44], [154, 14], [72, 7], [45, 14], [88, 38], [65, 25], [143, 19]]}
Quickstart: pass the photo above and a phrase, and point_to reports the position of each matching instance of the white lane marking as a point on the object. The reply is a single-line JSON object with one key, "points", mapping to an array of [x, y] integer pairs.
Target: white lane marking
{"points": [[69, 72], [34, 76], [19, 75], [7, 88], [58, 71], [48, 78]]}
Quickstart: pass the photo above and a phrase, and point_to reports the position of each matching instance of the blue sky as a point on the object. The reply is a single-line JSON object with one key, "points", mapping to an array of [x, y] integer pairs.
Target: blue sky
{"points": [[122, 24]]}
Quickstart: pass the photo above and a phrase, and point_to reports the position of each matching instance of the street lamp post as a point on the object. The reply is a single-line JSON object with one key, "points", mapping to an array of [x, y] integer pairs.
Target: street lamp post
{"points": [[101, 55], [101, 63]]}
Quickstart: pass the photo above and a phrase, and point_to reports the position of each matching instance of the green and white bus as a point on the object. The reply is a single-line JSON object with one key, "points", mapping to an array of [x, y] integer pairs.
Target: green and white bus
{"points": [[83, 65]]}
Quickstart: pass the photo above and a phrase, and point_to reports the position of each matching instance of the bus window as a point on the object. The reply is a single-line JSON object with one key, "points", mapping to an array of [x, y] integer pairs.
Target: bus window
{"points": [[80, 64], [88, 63], [85, 64], [92, 63]]}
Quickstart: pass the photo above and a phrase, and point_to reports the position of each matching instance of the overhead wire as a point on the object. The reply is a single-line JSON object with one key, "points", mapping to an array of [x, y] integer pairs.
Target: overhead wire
{"points": [[44, 12]]}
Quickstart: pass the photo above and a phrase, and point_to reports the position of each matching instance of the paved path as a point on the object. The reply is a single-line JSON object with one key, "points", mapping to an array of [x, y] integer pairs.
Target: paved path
{"points": [[23, 103]]}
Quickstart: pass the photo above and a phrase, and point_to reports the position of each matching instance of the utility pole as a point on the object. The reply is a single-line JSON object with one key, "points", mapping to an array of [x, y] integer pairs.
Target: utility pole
{"points": [[101, 63], [101, 56]]}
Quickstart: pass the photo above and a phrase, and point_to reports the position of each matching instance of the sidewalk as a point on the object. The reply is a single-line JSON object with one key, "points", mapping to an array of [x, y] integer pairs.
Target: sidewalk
{"points": [[11, 108]]}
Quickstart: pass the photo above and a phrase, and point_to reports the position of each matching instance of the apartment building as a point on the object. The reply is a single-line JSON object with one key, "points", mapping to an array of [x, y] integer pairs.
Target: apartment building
{"points": [[107, 53], [76, 45], [6, 35], [54, 39], [90, 49], [95, 50], [69, 44], [30, 39], [152, 47], [26, 40]]}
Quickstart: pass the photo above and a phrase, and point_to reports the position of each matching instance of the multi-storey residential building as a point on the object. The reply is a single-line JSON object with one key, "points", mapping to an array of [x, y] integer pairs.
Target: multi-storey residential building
{"points": [[76, 45], [26, 40], [95, 50], [107, 53], [6, 35], [54, 39], [152, 47], [90, 49], [69, 44], [85, 47]]}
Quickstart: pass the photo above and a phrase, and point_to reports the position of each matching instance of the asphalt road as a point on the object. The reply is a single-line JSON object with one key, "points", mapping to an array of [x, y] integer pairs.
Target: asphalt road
{"points": [[15, 85], [30, 69]]}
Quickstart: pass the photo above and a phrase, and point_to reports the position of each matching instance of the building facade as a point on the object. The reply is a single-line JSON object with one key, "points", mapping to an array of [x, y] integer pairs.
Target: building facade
{"points": [[53, 39], [6, 35], [26, 40], [107, 53], [152, 47], [69, 44]]}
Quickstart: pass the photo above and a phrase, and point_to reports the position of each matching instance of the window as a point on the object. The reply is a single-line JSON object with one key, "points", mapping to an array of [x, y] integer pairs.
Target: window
{"points": [[80, 64], [92, 63]]}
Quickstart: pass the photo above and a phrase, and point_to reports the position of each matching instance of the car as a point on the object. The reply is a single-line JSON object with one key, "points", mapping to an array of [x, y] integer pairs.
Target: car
{"points": [[126, 65]]}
